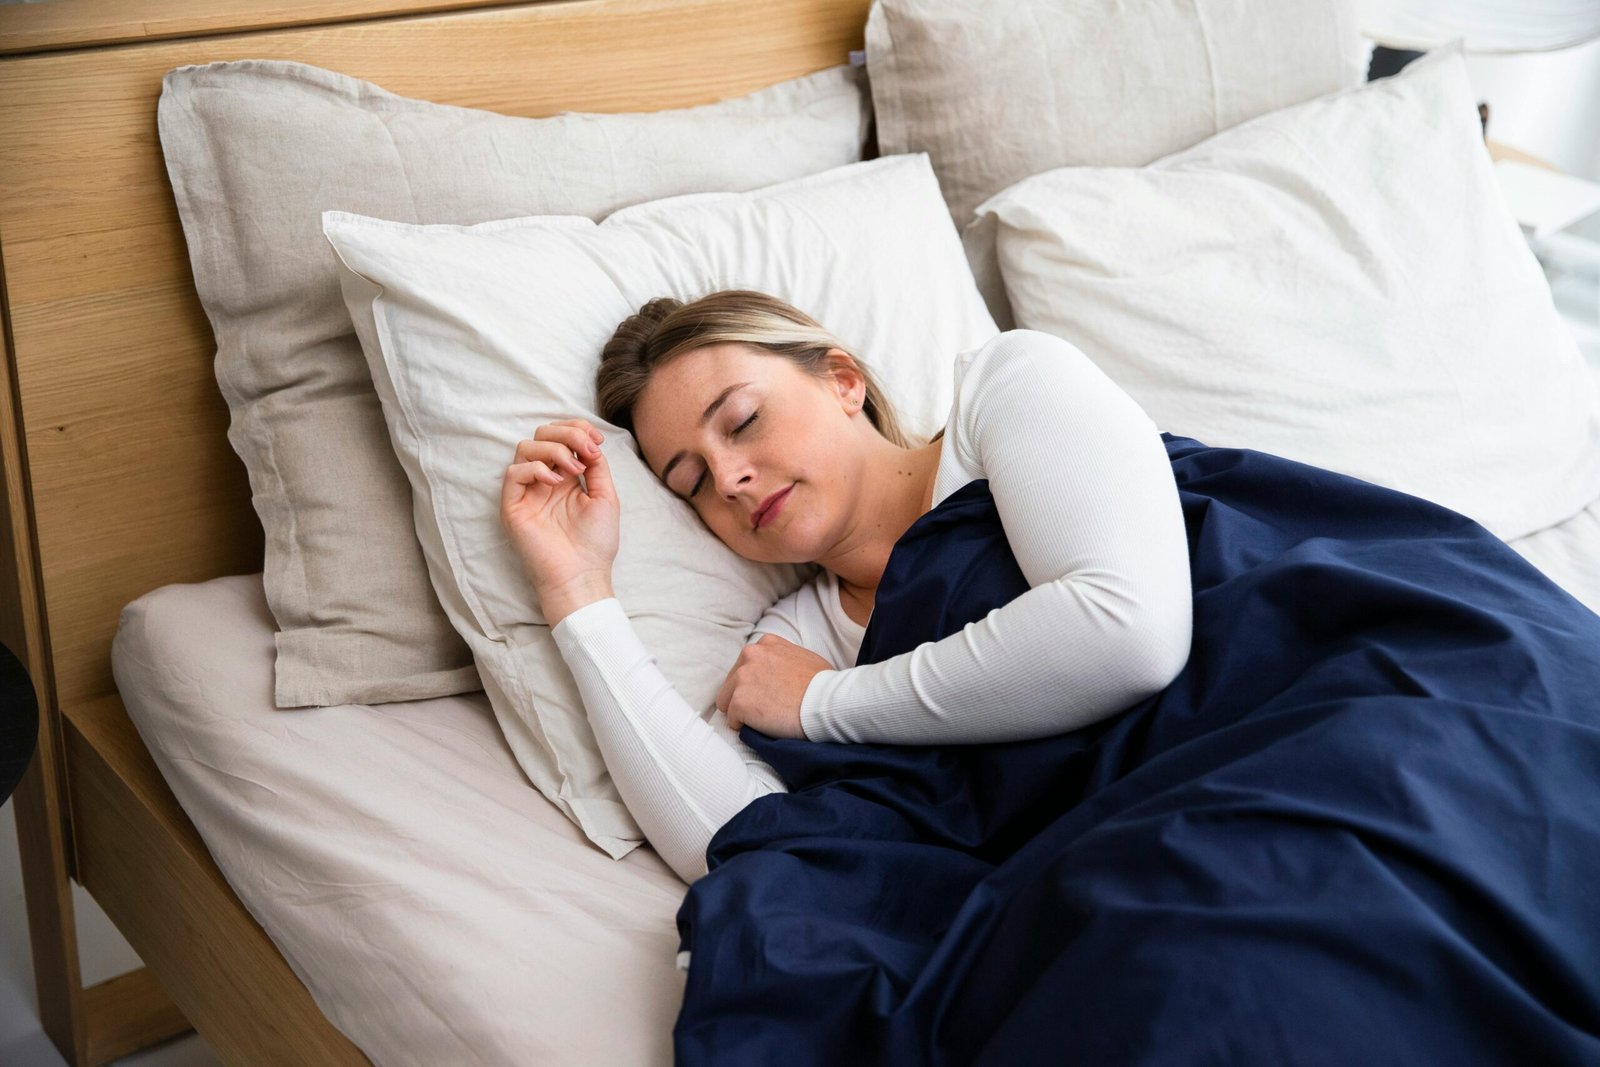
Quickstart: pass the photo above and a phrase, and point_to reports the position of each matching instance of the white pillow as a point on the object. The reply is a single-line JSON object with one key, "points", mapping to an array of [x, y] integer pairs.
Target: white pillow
{"points": [[476, 335], [995, 92], [1338, 282]]}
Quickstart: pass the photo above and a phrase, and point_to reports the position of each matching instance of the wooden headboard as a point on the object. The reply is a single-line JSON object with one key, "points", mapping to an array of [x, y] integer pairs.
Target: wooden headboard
{"points": [[117, 473], [117, 462]]}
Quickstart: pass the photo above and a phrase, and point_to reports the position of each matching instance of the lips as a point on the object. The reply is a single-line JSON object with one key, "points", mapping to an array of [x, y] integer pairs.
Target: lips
{"points": [[769, 505]]}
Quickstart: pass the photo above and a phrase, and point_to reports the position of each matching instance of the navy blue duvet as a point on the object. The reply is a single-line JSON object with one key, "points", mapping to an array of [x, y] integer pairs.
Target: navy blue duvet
{"points": [[1362, 826]]}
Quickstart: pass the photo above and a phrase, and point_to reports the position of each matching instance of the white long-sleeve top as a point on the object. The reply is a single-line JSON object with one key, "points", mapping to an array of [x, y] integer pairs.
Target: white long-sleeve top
{"points": [[1086, 497]]}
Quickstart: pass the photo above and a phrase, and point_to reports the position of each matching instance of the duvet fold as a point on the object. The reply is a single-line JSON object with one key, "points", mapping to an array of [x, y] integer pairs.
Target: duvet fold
{"points": [[1362, 825]]}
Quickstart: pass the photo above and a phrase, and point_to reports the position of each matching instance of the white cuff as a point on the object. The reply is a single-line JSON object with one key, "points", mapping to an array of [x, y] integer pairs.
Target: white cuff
{"points": [[591, 618], [813, 723]]}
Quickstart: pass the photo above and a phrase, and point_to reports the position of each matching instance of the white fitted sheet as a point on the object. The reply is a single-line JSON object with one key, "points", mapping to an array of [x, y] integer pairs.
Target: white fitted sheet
{"points": [[437, 906], [1569, 553]]}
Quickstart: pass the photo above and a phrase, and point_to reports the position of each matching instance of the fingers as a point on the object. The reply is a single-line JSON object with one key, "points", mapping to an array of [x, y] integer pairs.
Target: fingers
{"points": [[570, 446], [512, 488], [577, 434], [598, 476], [519, 479], [538, 470], [583, 424], [535, 471], [554, 455]]}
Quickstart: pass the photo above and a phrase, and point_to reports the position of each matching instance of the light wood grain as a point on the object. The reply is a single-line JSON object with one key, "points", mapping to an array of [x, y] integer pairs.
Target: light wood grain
{"points": [[21, 629], [63, 24], [40, 803], [135, 485], [147, 866], [1498, 151], [115, 473], [127, 1013], [43, 816]]}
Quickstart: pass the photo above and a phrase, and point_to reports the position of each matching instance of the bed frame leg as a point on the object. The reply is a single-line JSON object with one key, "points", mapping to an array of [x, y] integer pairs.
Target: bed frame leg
{"points": [[108, 1020], [47, 890]]}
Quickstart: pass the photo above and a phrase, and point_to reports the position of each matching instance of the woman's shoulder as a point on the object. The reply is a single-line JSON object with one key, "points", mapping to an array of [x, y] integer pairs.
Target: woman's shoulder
{"points": [[1009, 366], [1009, 373], [1017, 349]]}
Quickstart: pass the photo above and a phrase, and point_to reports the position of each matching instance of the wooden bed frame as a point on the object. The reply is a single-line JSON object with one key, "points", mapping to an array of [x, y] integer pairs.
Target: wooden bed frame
{"points": [[117, 476]]}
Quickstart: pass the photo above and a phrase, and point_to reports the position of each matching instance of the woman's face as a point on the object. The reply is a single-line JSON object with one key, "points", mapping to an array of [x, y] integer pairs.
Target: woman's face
{"points": [[729, 428]]}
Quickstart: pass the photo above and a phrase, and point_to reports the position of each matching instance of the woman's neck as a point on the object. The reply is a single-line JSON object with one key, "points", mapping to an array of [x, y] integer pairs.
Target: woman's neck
{"points": [[898, 491]]}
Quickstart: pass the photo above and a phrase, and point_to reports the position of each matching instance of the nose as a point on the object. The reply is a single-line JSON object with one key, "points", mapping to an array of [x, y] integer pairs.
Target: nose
{"points": [[729, 473]]}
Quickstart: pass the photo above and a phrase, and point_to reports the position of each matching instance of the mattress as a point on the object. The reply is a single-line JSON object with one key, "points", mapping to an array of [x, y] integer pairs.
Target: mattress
{"points": [[437, 906]]}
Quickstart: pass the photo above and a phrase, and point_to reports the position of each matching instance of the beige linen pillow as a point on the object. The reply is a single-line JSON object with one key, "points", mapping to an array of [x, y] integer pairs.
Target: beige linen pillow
{"points": [[467, 363], [995, 92], [256, 151]]}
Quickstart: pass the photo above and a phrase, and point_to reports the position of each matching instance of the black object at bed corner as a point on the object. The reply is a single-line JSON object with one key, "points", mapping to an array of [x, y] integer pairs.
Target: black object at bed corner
{"points": [[1361, 826], [19, 722]]}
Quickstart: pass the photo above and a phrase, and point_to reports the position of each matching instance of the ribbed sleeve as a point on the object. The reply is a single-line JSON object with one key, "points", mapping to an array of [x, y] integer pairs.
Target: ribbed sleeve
{"points": [[1087, 498], [1086, 495], [681, 776]]}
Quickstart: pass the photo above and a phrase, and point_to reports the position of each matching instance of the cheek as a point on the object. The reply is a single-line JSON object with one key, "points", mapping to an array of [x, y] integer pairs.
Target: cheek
{"points": [[734, 530], [728, 527]]}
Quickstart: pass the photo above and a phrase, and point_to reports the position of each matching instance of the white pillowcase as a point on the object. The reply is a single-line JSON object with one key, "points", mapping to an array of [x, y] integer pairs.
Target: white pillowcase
{"points": [[995, 92], [476, 335], [1338, 282]]}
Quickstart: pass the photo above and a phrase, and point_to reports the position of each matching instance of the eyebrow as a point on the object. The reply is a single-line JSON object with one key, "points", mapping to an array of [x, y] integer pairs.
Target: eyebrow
{"points": [[705, 417]]}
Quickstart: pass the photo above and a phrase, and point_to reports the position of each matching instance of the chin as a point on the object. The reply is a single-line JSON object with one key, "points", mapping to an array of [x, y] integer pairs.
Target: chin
{"points": [[767, 555], [746, 548], [768, 549]]}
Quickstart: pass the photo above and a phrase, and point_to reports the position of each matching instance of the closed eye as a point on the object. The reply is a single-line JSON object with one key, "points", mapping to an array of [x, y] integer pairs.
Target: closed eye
{"points": [[700, 481]]}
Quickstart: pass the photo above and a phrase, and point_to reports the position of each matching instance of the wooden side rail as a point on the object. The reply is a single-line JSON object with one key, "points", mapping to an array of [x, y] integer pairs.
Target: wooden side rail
{"points": [[142, 853]]}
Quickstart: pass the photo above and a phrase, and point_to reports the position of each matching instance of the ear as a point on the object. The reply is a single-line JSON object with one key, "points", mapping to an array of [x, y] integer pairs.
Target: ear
{"points": [[848, 383]]}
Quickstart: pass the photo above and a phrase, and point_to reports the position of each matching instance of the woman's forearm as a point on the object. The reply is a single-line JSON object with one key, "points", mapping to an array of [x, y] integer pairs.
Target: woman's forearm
{"points": [[1026, 670], [681, 776]]}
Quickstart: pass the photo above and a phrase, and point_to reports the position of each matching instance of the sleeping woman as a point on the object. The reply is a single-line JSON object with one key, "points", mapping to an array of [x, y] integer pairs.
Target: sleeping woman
{"points": [[778, 437], [1280, 752]]}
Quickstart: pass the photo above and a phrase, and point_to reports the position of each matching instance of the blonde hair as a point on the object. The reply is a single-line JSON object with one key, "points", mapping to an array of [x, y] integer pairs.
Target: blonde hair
{"points": [[666, 328]]}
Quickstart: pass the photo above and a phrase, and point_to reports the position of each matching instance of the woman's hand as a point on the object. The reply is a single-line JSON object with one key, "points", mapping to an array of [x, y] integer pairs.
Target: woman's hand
{"points": [[565, 533], [766, 685]]}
